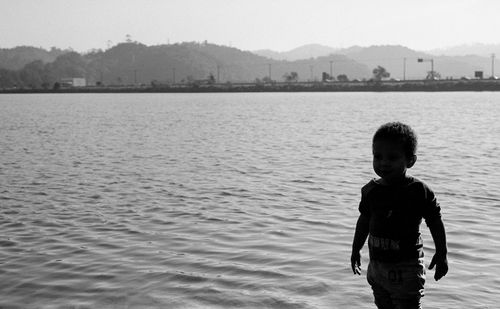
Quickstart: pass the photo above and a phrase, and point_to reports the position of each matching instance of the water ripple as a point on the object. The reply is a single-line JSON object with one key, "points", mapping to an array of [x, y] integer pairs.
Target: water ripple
{"points": [[224, 201]]}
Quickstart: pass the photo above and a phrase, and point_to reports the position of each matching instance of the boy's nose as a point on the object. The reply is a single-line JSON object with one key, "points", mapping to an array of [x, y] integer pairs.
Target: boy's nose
{"points": [[385, 164]]}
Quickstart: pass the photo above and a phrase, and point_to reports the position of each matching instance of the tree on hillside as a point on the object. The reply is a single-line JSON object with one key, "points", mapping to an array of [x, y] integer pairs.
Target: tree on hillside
{"points": [[32, 75], [325, 77], [342, 78], [16, 58], [267, 80], [291, 77], [68, 65], [9, 78], [432, 75], [211, 79], [380, 72]]}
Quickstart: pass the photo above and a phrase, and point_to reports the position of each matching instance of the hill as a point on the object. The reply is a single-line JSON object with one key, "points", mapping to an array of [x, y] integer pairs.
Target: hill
{"points": [[478, 49], [299, 53], [16, 58], [392, 57], [134, 63], [138, 63], [402, 62]]}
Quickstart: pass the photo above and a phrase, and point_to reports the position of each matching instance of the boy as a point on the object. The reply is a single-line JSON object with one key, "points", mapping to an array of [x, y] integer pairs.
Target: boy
{"points": [[391, 210]]}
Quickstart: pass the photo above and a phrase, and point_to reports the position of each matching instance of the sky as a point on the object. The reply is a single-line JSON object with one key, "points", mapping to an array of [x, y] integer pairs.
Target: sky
{"points": [[280, 25]]}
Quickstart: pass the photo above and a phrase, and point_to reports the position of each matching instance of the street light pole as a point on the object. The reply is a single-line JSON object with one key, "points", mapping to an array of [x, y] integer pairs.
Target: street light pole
{"points": [[404, 68], [432, 65], [492, 65]]}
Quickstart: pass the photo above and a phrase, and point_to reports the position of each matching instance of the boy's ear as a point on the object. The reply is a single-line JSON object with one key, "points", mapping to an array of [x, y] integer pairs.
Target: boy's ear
{"points": [[412, 161]]}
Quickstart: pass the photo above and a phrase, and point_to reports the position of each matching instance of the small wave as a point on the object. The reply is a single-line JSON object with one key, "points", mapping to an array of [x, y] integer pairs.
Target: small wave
{"points": [[7, 243], [187, 278], [303, 181]]}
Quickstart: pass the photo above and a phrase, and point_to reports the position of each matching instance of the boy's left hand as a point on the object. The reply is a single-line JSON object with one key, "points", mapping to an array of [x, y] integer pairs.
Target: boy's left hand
{"points": [[441, 263]]}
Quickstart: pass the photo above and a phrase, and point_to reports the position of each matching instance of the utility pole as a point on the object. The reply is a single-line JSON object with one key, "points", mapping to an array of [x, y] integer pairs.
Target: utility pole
{"points": [[404, 68], [331, 69], [492, 65]]}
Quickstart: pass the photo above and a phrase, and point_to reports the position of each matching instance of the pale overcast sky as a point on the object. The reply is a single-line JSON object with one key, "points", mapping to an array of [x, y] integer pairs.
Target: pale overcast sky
{"points": [[249, 24]]}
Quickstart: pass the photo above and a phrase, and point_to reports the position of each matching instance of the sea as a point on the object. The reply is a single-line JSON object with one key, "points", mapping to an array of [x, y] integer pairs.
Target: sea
{"points": [[231, 200]]}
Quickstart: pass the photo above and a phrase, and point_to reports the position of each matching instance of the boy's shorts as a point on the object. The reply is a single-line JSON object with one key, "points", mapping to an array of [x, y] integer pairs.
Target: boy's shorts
{"points": [[397, 285]]}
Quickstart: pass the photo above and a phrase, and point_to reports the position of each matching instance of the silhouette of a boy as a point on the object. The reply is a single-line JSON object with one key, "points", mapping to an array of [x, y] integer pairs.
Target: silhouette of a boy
{"points": [[391, 211]]}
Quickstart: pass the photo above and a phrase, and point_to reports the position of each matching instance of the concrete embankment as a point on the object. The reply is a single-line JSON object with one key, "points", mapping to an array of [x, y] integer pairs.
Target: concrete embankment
{"points": [[371, 86]]}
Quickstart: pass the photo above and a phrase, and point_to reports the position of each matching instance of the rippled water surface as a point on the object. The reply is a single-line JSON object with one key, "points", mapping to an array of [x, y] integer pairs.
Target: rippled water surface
{"points": [[230, 200]]}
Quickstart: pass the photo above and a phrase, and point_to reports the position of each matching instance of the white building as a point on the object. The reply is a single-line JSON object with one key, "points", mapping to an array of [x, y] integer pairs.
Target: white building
{"points": [[74, 82]]}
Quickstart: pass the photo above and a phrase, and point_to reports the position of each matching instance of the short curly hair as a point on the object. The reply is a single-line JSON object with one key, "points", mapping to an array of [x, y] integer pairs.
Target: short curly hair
{"points": [[398, 132]]}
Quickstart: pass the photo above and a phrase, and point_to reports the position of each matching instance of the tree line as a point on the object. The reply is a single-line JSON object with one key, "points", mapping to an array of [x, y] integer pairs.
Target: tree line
{"points": [[38, 74]]}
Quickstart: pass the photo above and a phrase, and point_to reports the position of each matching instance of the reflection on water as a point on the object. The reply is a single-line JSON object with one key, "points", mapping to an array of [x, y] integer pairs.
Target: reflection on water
{"points": [[229, 200]]}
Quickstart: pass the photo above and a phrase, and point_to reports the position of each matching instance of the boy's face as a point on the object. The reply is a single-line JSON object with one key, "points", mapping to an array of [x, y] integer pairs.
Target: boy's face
{"points": [[390, 161]]}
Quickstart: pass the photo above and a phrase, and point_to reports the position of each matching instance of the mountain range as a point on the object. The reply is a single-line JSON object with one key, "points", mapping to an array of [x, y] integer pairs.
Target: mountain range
{"points": [[131, 63], [402, 62], [300, 53], [477, 49]]}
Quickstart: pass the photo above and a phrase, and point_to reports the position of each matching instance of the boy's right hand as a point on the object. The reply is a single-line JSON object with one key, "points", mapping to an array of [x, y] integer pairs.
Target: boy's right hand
{"points": [[356, 263]]}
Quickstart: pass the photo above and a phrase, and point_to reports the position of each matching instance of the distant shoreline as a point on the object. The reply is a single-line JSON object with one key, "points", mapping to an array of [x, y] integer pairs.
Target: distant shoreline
{"points": [[364, 86]]}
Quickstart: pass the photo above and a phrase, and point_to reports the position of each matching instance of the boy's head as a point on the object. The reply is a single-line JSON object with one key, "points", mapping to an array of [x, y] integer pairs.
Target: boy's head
{"points": [[394, 150]]}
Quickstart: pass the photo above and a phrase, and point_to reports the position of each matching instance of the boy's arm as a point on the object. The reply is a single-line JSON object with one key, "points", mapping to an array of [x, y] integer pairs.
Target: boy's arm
{"points": [[439, 259], [359, 240]]}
